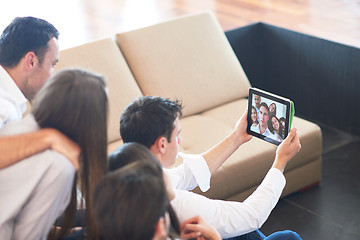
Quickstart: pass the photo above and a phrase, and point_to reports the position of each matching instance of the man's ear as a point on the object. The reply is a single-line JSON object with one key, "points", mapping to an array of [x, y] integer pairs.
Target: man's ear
{"points": [[160, 230], [161, 144], [31, 60]]}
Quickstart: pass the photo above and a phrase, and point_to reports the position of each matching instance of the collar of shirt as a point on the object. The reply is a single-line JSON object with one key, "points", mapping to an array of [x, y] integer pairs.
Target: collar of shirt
{"points": [[267, 132]]}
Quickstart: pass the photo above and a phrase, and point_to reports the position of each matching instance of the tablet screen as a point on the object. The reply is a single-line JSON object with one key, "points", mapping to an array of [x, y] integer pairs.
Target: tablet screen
{"points": [[268, 116]]}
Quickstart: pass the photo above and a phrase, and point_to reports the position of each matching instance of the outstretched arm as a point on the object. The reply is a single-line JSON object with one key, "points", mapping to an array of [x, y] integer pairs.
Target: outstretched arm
{"points": [[218, 154], [231, 218], [17, 147]]}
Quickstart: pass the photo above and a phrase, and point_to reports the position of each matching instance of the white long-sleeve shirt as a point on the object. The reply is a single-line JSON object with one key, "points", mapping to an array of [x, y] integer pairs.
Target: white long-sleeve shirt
{"points": [[12, 101], [228, 217], [192, 173]]}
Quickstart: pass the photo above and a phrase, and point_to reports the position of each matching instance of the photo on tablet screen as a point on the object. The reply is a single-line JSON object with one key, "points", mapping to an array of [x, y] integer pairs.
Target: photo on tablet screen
{"points": [[268, 116]]}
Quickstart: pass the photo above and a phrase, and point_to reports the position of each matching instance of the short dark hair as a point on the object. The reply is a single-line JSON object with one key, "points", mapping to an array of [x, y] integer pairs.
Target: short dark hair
{"points": [[131, 199], [129, 202], [129, 153], [147, 118], [23, 35], [263, 104]]}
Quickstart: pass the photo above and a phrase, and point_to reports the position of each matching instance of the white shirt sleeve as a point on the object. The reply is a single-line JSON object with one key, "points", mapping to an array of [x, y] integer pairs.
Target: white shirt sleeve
{"points": [[233, 218], [192, 173], [12, 101], [9, 111]]}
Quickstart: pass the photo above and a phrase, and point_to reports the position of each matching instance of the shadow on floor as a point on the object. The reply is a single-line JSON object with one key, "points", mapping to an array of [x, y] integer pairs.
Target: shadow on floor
{"points": [[330, 210]]}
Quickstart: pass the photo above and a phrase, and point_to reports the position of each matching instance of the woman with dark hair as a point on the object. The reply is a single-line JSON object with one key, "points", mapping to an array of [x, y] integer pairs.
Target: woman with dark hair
{"points": [[282, 121], [75, 103], [272, 109], [274, 127], [254, 117], [132, 202]]}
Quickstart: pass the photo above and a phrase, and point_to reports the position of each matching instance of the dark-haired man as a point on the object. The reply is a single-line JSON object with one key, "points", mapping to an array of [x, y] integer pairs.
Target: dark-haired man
{"points": [[262, 127], [154, 122], [28, 53], [257, 100]]}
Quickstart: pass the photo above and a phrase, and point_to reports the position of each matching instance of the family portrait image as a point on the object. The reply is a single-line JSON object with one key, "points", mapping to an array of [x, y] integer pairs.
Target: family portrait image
{"points": [[268, 118]]}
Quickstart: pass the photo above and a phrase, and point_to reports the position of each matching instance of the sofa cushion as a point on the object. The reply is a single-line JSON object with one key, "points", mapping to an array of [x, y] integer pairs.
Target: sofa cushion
{"points": [[104, 57], [188, 58]]}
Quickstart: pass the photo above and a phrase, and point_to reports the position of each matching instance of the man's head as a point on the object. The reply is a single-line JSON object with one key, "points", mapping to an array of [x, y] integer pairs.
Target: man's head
{"points": [[263, 115], [29, 51], [153, 122], [257, 99]]}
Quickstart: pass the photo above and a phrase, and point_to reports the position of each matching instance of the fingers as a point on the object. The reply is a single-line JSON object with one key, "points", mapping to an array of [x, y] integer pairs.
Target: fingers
{"points": [[196, 227], [192, 220], [188, 231], [189, 228], [291, 135], [193, 227], [190, 235], [287, 150], [240, 129], [73, 154], [294, 140], [65, 146], [245, 114]]}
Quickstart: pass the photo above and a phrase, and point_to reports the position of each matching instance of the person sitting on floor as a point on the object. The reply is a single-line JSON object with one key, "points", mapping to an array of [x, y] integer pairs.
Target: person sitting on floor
{"points": [[154, 122], [39, 188], [132, 202]]}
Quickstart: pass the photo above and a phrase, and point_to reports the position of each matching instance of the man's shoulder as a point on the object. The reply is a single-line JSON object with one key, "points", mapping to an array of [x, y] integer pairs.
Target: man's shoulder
{"points": [[10, 92], [8, 110], [268, 133]]}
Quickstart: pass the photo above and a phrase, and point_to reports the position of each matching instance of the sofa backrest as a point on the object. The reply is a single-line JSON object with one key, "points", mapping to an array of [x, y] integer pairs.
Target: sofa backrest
{"points": [[104, 57], [188, 58]]}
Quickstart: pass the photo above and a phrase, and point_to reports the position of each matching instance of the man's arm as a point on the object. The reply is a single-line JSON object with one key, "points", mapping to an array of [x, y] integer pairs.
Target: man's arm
{"points": [[218, 154], [233, 218], [17, 147]]}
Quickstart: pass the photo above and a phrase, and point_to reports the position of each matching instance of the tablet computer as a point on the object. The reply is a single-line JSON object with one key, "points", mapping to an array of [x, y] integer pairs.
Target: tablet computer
{"points": [[269, 116]]}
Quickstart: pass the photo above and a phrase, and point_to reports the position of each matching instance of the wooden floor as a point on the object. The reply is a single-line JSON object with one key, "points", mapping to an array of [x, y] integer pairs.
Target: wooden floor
{"points": [[81, 21]]}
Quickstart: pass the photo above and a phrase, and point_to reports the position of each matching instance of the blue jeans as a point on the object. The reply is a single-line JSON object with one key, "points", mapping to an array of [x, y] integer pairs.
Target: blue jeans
{"points": [[257, 235], [76, 236]]}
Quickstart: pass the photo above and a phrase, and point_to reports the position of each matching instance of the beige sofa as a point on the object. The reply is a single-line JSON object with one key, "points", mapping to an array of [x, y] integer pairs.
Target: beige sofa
{"points": [[189, 58]]}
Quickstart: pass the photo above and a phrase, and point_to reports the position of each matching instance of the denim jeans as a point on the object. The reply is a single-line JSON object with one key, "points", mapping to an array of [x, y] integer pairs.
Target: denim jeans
{"points": [[78, 235], [257, 235]]}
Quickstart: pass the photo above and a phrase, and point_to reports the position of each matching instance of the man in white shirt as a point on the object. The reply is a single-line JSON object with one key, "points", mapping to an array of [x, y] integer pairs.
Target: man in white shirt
{"points": [[257, 100], [154, 122], [28, 53], [262, 127]]}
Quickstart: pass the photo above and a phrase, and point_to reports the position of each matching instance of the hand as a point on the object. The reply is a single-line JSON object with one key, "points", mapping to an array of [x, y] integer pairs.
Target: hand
{"points": [[197, 228], [287, 150], [240, 128], [62, 144]]}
